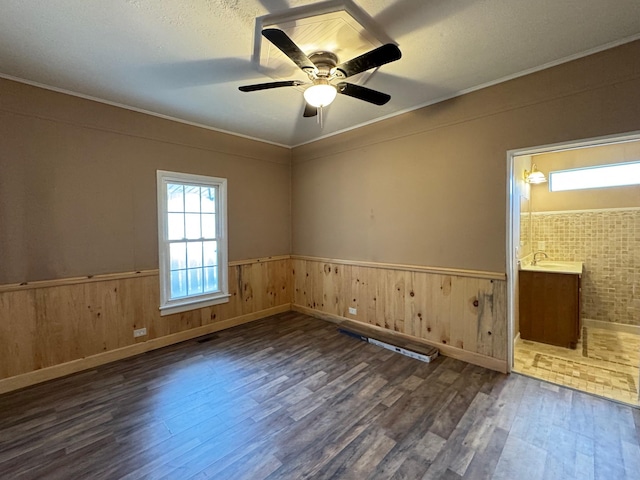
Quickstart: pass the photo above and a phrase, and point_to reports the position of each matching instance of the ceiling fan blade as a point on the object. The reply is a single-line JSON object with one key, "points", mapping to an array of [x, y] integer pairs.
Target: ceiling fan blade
{"points": [[309, 110], [363, 93], [376, 57], [265, 86], [290, 49]]}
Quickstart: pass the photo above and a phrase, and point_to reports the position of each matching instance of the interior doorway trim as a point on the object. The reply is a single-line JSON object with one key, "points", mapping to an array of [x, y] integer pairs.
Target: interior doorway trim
{"points": [[512, 264]]}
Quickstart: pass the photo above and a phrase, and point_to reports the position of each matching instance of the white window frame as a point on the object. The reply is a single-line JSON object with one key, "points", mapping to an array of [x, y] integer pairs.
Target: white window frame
{"points": [[191, 302]]}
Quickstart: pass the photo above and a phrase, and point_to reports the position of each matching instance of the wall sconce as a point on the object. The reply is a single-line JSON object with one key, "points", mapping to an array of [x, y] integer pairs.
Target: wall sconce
{"points": [[534, 176]]}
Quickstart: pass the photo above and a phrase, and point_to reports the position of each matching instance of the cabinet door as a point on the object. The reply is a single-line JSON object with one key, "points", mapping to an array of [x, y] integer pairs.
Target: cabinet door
{"points": [[549, 308]]}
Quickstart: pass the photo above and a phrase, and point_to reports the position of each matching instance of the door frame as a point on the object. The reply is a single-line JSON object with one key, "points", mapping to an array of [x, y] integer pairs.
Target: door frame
{"points": [[512, 263]]}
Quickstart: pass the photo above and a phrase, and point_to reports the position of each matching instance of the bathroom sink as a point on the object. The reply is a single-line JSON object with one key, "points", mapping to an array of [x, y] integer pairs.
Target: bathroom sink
{"points": [[547, 264], [554, 266]]}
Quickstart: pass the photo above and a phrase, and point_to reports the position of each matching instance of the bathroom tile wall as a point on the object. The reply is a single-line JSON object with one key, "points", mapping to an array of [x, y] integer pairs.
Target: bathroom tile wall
{"points": [[608, 243]]}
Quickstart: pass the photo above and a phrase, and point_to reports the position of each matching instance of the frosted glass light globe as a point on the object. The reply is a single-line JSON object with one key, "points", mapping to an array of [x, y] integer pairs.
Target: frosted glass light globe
{"points": [[320, 95]]}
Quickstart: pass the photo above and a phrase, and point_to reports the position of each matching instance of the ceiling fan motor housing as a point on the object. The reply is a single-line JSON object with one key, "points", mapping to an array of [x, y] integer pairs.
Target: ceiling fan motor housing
{"points": [[324, 62]]}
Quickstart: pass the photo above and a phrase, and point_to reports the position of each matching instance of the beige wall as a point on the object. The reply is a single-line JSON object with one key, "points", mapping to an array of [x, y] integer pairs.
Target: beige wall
{"points": [[78, 185], [617, 197], [429, 187]]}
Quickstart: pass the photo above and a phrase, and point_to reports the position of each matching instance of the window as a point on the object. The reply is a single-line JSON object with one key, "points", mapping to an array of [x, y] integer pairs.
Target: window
{"points": [[192, 233], [595, 177]]}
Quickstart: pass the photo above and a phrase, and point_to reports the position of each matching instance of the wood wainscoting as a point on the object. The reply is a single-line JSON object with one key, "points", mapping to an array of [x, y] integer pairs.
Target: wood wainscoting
{"points": [[53, 328], [463, 313]]}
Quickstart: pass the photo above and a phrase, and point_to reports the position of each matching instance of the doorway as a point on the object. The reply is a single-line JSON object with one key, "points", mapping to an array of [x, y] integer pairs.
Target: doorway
{"points": [[597, 228]]}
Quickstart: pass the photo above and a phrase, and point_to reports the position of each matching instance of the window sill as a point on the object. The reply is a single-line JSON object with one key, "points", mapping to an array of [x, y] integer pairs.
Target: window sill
{"points": [[192, 304]]}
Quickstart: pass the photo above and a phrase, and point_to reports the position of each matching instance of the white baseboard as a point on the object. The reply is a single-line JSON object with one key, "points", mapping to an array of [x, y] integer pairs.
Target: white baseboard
{"points": [[618, 327]]}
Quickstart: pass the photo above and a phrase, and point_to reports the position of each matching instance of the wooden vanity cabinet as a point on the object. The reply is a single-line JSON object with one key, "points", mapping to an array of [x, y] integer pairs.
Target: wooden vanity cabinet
{"points": [[550, 308]]}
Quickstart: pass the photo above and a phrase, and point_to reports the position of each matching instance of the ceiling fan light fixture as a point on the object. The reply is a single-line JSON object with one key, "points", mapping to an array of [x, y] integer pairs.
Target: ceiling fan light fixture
{"points": [[322, 68], [320, 94]]}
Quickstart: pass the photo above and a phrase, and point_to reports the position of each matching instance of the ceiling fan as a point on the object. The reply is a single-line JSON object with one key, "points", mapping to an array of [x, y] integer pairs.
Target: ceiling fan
{"points": [[326, 74]]}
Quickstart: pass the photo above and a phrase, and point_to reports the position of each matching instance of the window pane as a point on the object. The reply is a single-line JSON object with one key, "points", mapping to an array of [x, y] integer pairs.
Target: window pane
{"points": [[208, 200], [194, 254], [195, 280], [175, 198], [210, 279], [599, 176], [191, 199], [178, 283], [178, 255], [210, 253], [192, 240], [175, 226], [193, 225], [208, 225]]}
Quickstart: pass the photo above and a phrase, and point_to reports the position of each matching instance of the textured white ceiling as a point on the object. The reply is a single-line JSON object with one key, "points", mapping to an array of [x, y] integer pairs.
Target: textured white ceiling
{"points": [[186, 59]]}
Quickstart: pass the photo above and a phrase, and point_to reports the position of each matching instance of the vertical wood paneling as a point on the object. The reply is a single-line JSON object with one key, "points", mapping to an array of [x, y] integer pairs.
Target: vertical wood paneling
{"points": [[52, 325], [499, 334], [358, 293], [59, 311], [235, 304], [396, 302], [410, 304], [283, 282], [256, 279], [17, 333], [375, 311], [470, 318], [331, 285], [309, 287], [485, 322], [464, 312], [344, 301], [386, 299], [299, 287], [102, 304], [247, 292], [442, 308], [43, 327], [317, 273], [422, 327], [307, 284], [457, 317], [430, 289]]}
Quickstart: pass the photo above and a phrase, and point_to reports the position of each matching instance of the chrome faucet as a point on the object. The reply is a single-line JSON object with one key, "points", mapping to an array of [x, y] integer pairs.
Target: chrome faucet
{"points": [[535, 258]]}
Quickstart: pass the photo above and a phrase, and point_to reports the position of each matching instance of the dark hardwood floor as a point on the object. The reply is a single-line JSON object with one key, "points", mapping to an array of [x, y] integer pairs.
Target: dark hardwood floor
{"points": [[289, 397]]}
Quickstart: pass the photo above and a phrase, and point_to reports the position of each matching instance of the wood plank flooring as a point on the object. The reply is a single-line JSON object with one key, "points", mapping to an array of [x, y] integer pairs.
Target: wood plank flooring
{"points": [[289, 397]]}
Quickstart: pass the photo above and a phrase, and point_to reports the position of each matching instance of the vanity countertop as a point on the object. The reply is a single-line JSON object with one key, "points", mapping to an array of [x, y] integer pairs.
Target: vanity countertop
{"points": [[553, 266]]}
